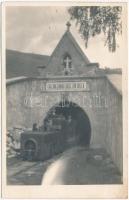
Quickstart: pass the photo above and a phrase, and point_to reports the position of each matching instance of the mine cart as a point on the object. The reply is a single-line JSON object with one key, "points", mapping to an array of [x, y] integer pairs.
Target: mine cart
{"points": [[43, 144]]}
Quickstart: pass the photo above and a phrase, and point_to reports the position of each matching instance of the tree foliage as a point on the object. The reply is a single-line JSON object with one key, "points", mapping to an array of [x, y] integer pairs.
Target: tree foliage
{"points": [[94, 20]]}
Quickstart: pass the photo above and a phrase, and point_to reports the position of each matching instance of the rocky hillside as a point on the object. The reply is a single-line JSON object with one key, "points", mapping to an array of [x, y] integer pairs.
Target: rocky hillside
{"points": [[23, 64]]}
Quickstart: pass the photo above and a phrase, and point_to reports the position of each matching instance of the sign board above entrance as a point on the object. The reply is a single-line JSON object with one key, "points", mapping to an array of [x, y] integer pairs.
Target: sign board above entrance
{"points": [[67, 86]]}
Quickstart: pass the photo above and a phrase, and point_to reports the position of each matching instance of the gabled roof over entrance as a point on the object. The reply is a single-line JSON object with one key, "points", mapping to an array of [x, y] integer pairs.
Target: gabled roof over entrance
{"points": [[68, 45], [68, 36]]}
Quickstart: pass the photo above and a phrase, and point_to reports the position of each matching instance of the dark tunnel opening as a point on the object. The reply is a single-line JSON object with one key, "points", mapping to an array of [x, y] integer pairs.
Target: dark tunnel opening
{"points": [[77, 124]]}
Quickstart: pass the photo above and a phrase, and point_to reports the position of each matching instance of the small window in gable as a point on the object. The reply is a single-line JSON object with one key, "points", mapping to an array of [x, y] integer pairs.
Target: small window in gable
{"points": [[67, 62]]}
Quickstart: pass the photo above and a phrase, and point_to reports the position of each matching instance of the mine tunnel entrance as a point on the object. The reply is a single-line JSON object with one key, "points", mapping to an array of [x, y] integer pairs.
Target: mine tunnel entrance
{"points": [[76, 123]]}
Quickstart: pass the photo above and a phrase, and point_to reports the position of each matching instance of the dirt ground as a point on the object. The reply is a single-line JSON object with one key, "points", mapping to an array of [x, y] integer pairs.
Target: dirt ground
{"points": [[75, 166]]}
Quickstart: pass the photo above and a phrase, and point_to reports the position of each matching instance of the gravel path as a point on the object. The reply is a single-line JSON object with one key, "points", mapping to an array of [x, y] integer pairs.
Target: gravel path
{"points": [[75, 166], [79, 166]]}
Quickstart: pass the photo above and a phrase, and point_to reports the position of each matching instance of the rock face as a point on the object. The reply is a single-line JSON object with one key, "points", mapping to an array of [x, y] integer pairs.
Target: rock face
{"points": [[13, 141]]}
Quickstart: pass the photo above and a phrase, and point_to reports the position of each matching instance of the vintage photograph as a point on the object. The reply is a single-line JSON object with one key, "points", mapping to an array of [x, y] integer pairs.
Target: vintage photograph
{"points": [[64, 94]]}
